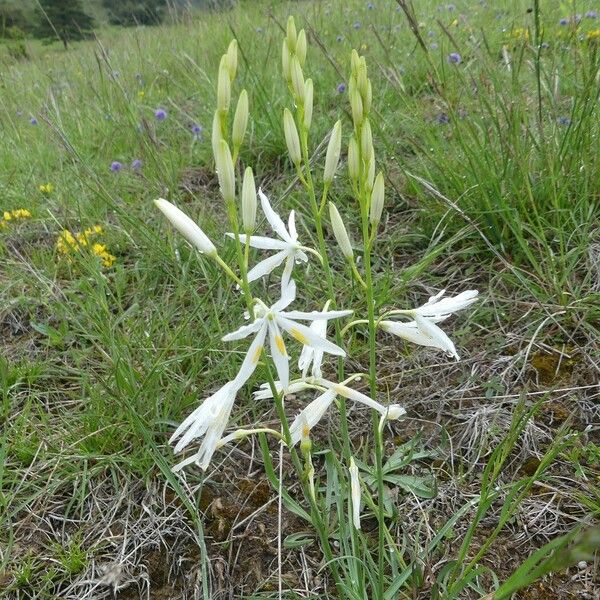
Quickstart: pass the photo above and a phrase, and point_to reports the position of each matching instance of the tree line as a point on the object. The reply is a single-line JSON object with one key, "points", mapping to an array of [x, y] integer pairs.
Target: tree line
{"points": [[70, 20]]}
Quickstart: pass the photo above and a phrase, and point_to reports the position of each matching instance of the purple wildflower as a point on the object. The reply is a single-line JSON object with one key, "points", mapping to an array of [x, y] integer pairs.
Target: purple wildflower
{"points": [[454, 58], [136, 165], [356, 25], [450, 7], [591, 14], [564, 121], [341, 88], [339, 38], [160, 114], [370, 5], [115, 166], [564, 21], [33, 121], [433, 46], [442, 119]]}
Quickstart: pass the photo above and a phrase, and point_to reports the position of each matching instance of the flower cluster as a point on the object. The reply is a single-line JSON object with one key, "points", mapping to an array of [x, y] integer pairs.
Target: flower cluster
{"points": [[273, 325], [69, 244], [14, 215], [46, 188]]}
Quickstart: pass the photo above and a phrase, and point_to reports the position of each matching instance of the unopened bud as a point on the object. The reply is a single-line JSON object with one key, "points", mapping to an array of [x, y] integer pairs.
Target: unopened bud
{"points": [[357, 107], [232, 59], [333, 153], [354, 62], [223, 86], [339, 231], [301, 47], [240, 120], [216, 134], [286, 58], [305, 442], [225, 171], [248, 201], [297, 80], [368, 99], [291, 37], [291, 137], [366, 139], [308, 103], [370, 172], [190, 231], [353, 159], [377, 200]]}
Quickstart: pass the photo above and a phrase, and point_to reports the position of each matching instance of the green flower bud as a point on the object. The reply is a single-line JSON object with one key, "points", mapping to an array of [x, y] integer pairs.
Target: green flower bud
{"points": [[297, 80], [308, 102], [353, 159], [301, 47], [339, 231], [225, 171], [223, 86], [232, 59], [291, 36], [248, 201], [240, 120], [377, 200], [333, 153], [291, 137]]}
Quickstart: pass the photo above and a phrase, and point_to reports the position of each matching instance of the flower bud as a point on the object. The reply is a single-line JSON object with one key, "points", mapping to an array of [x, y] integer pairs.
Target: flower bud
{"points": [[248, 201], [190, 231], [366, 139], [225, 171], [291, 36], [216, 134], [353, 159], [354, 62], [232, 59], [301, 47], [308, 103], [297, 80], [339, 231], [361, 77], [357, 107], [355, 493], [368, 98], [370, 172], [291, 137], [240, 120], [223, 86], [286, 58], [333, 153], [377, 200]]}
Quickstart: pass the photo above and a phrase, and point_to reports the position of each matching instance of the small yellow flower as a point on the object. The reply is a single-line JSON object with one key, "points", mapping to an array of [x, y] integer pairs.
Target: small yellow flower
{"points": [[7, 216], [141, 94], [454, 23], [46, 188], [593, 36], [520, 34], [12, 215], [69, 243], [364, 47]]}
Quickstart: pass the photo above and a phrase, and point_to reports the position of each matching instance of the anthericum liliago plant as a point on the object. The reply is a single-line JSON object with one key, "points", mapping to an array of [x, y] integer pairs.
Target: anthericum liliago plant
{"points": [[273, 325]]}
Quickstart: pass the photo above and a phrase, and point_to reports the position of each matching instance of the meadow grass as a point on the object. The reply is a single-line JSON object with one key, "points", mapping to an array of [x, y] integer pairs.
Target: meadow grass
{"points": [[492, 170]]}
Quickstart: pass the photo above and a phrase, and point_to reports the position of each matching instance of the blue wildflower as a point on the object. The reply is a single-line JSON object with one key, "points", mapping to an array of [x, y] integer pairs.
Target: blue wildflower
{"points": [[136, 165], [454, 58], [33, 121], [341, 88], [115, 166], [356, 25], [564, 121], [160, 114]]}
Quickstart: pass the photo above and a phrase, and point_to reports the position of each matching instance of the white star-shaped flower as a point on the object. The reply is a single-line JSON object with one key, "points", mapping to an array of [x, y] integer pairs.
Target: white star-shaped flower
{"points": [[289, 249]]}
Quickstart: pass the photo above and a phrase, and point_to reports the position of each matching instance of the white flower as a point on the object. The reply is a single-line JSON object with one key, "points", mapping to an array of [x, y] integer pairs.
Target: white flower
{"points": [[354, 493], [272, 320], [314, 411], [209, 420], [311, 355], [423, 330], [288, 248]]}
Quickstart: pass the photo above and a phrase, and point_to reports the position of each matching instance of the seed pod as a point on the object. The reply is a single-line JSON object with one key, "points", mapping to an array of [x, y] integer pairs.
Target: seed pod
{"points": [[240, 120], [377, 200], [291, 137], [248, 201], [333, 153], [339, 231]]}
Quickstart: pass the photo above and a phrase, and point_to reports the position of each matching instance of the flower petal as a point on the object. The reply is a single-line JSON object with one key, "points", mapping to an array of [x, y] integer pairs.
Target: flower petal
{"points": [[279, 354], [446, 306], [288, 295], [243, 331], [261, 242], [274, 219], [264, 267], [317, 315], [287, 271], [311, 414], [441, 340], [252, 357], [292, 226], [308, 337]]}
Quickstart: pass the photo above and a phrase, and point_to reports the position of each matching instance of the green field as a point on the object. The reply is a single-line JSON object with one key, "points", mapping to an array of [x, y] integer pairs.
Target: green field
{"points": [[486, 127]]}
